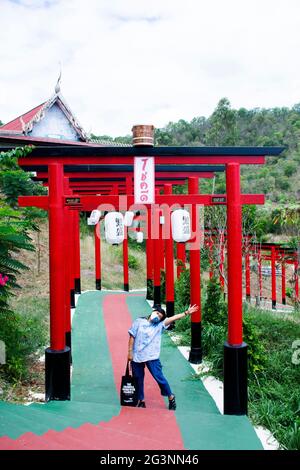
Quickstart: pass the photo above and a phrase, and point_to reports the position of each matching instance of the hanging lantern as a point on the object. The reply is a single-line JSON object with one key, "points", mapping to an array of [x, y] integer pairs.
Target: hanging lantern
{"points": [[139, 237], [94, 218], [128, 218], [181, 225], [114, 228]]}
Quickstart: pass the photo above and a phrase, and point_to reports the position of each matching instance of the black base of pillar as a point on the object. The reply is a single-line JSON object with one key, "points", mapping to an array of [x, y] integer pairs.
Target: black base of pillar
{"points": [[149, 294], [170, 312], [248, 298], [170, 308], [72, 298], [195, 356], [57, 374], [274, 304], [283, 300], [68, 339], [126, 287], [98, 284], [156, 300], [69, 343], [235, 379], [77, 286]]}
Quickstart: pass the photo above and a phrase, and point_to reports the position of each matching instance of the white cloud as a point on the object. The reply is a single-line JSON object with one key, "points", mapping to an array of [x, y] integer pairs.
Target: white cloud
{"points": [[134, 61]]}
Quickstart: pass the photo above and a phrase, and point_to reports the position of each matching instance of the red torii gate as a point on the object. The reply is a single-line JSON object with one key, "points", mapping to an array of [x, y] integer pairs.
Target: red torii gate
{"points": [[283, 255], [92, 181], [235, 351], [275, 253]]}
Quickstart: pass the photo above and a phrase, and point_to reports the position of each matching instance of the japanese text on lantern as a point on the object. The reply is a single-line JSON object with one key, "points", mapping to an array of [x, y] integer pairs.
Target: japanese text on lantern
{"points": [[144, 180]]}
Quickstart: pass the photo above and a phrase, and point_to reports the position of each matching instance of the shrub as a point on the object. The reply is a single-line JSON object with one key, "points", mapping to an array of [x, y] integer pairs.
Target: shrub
{"points": [[132, 261], [182, 291], [256, 350], [215, 308], [23, 335], [213, 337], [289, 292], [290, 168]]}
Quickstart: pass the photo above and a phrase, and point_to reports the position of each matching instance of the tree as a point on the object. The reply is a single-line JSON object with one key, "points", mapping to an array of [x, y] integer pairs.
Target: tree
{"points": [[223, 125]]}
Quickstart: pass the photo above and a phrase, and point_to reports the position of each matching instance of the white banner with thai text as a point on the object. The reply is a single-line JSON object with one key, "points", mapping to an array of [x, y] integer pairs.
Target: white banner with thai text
{"points": [[144, 169]]}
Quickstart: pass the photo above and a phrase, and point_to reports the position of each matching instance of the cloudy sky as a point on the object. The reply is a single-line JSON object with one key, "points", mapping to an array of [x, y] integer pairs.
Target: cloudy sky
{"points": [[126, 62]]}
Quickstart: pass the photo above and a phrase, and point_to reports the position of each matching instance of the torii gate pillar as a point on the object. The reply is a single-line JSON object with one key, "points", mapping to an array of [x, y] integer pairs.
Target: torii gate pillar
{"points": [[169, 261], [77, 252], [57, 357], [195, 356], [149, 255], [235, 350], [97, 246]]}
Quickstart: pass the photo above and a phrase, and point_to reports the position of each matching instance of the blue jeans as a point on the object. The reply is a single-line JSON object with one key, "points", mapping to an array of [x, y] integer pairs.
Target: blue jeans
{"points": [[155, 369]]}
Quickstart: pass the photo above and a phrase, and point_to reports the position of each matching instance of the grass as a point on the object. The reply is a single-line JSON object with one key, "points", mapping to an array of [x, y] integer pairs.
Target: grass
{"points": [[112, 266], [274, 392]]}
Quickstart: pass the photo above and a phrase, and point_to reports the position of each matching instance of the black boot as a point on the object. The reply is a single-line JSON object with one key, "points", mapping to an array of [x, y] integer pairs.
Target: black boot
{"points": [[141, 404], [172, 403]]}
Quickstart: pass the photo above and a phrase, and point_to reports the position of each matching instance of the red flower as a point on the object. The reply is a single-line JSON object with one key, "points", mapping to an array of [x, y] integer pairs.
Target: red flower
{"points": [[3, 280]]}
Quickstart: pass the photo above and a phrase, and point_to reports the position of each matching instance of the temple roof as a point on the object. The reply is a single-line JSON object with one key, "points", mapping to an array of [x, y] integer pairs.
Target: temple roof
{"points": [[23, 125]]}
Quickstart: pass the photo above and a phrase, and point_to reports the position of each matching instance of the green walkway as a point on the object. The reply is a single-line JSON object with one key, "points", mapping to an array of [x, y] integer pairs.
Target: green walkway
{"points": [[201, 424], [94, 395], [95, 398]]}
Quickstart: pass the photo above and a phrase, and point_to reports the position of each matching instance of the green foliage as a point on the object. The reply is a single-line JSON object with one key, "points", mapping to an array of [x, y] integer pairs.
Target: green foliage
{"points": [[23, 335], [215, 308], [204, 259], [279, 178], [117, 140], [213, 338], [9, 160], [13, 238], [132, 261], [256, 350], [289, 291], [136, 246], [275, 394], [253, 223], [223, 125], [182, 291], [14, 183]]}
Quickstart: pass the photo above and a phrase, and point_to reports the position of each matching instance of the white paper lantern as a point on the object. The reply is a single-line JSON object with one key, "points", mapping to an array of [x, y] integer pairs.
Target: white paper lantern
{"points": [[114, 228], [139, 237], [94, 217], [128, 218], [181, 225]]}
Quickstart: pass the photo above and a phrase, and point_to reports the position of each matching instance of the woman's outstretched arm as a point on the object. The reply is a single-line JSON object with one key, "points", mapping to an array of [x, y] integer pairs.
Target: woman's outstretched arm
{"points": [[192, 309]]}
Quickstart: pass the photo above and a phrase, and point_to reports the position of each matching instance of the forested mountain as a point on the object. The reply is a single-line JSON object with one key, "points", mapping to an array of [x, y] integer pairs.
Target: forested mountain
{"points": [[279, 179]]}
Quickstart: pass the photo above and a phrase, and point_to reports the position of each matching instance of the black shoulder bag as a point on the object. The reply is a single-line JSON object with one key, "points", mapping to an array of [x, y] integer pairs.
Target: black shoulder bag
{"points": [[129, 389]]}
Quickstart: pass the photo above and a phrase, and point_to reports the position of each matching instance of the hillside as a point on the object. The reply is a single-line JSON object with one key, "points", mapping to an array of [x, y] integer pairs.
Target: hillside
{"points": [[279, 179]]}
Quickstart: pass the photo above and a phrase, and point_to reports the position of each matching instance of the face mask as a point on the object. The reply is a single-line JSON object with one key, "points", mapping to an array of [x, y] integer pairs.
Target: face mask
{"points": [[154, 318]]}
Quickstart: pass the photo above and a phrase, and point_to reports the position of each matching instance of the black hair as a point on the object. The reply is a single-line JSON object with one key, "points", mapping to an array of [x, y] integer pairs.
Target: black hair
{"points": [[158, 308]]}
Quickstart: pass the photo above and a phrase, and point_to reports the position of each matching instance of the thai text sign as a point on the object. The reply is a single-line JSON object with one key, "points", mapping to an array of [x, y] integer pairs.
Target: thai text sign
{"points": [[144, 180]]}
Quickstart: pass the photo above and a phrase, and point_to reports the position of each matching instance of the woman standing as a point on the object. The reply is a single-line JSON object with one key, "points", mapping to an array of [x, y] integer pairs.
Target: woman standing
{"points": [[144, 350]]}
